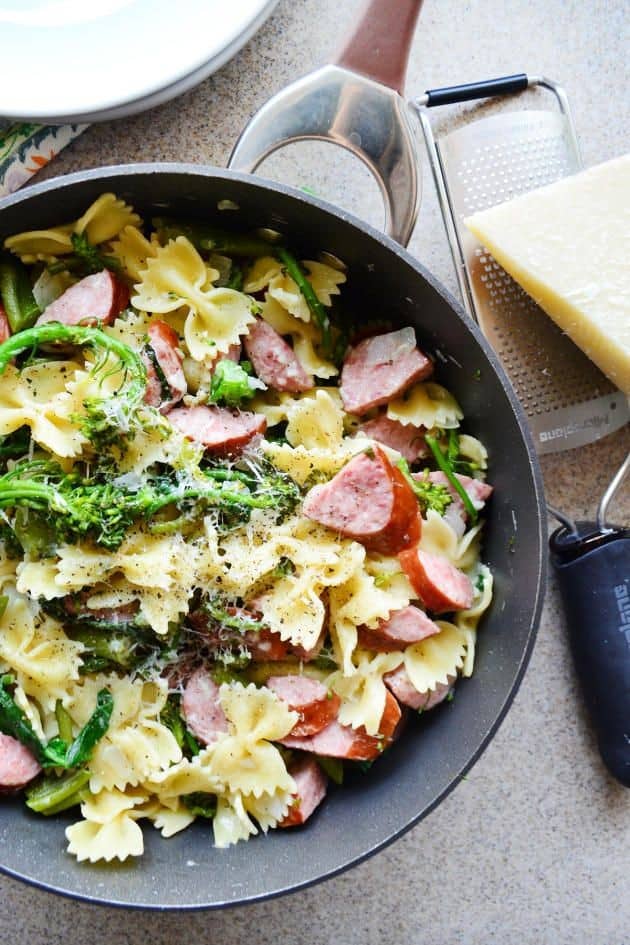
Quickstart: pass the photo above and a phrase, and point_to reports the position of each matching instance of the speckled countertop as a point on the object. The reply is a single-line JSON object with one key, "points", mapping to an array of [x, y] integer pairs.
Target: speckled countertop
{"points": [[534, 847]]}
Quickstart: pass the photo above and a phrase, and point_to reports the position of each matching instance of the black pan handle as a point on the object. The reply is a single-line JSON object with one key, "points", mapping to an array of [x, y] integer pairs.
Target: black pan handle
{"points": [[505, 85], [593, 569]]}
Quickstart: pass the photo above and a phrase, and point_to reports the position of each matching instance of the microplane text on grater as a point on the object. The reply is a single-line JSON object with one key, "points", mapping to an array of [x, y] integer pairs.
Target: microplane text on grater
{"points": [[567, 399]]}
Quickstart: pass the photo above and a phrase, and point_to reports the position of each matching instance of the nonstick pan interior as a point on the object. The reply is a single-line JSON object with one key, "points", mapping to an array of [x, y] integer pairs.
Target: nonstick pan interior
{"points": [[384, 282]]}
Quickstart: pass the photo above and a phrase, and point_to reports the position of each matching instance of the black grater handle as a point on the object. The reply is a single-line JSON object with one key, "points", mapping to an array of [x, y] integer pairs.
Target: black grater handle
{"points": [[593, 569], [506, 85]]}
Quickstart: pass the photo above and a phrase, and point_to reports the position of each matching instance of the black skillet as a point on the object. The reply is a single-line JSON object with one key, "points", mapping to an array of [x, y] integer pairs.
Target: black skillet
{"points": [[436, 749]]}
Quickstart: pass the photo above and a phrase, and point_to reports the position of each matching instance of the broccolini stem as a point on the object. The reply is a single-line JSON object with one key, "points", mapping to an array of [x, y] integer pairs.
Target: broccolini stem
{"points": [[64, 722], [36, 495], [17, 295], [317, 310], [52, 795], [447, 469], [217, 496], [51, 332]]}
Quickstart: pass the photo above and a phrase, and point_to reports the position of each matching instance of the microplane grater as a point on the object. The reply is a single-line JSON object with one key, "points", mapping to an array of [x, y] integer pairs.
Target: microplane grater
{"points": [[567, 399]]}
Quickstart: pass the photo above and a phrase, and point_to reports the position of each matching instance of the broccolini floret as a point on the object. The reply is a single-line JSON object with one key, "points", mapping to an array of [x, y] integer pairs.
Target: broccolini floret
{"points": [[107, 419], [77, 507], [430, 495], [231, 384]]}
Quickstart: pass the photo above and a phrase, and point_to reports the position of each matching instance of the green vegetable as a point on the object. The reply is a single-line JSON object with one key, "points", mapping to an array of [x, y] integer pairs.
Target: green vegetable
{"points": [[236, 278], [230, 384], [284, 566], [64, 722], [57, 753], [34, 533], [73, 508], [107, 419], [15, 723], [15, 444], [445, 464], [318, 311], [333, 767], [77, 507], [89, 258], [230, 618], [52, 795], [81, 748], [107, 648], [165, 388], [212, 238], [171, 717], [430, 495], [201, 804], [4, 603], [17, 296]]}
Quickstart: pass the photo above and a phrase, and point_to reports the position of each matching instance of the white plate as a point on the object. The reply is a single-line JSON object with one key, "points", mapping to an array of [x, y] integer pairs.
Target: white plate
{"points": [[91, 60]]}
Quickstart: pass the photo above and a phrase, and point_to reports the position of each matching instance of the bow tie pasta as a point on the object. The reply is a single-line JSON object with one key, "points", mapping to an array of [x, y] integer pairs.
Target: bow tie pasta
{"points": [[240, 530]]}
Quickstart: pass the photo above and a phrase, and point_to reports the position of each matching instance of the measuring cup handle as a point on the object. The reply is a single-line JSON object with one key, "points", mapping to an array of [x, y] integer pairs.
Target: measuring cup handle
{"points": [[595, 589], [379, 45]]}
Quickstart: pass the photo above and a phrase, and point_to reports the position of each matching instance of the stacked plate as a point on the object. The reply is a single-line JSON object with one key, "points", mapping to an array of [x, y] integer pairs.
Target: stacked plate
{"points": [[76, 61]]}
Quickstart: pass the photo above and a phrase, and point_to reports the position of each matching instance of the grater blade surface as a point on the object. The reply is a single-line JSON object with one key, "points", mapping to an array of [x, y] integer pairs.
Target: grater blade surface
{"points": [[568, 401]]}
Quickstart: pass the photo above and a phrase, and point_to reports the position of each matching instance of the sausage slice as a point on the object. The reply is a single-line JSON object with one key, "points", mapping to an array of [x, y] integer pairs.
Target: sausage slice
{"points": [[311, 784], [353, 744], [165, 358], [275, 362], [407, 439], [439, 584], [400, 684], [219, 429], [97, 298], [201, 708], [18, 765], [316, 706], [402, 628], [368, 500], [381, 368]]}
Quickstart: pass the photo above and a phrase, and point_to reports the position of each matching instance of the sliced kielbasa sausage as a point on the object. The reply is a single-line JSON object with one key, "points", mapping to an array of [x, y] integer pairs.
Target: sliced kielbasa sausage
{"points": [[219, 429], [201, 707], [401, 685], [97, 298], [18, 765], [402, 628], [380, 368], [274, 361], [310, 784], [368, 500], [166, 381], [354, 744], [439, 584], [315, 705], [407, 439]]}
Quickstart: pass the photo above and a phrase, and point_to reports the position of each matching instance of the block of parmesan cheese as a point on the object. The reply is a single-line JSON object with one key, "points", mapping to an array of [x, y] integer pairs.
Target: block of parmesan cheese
{"points": [[568, 246]]}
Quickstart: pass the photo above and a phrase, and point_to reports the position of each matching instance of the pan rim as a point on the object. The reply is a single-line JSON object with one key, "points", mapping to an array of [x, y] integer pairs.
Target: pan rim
{"points": [[186, 169]]}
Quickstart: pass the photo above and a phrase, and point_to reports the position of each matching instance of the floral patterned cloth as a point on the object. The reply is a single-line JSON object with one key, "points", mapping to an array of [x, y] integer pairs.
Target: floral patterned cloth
{"points": [[25, 148]]}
